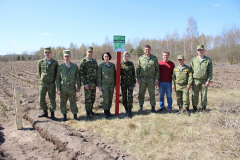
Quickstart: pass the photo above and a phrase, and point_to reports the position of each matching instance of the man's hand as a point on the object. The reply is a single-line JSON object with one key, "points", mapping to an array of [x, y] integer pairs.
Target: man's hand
{"points": [[207, 84], [173, 87], [139, 81], [156, 83], [188, 87], [77, 90], [86, 86], [59, 93]]}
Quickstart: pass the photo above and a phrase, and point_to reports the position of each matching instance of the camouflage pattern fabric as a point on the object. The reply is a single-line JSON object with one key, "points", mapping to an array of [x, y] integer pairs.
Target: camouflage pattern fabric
{"points": [[147, 71], [107, 80], [127, 83], [202, 72], [181, 79], [66, 81], [88, 74], [47, 74]]}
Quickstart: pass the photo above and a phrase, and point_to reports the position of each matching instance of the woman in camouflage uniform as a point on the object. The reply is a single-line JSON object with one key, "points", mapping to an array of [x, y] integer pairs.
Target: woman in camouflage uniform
{"points": [[128, 82], [106, 82]]}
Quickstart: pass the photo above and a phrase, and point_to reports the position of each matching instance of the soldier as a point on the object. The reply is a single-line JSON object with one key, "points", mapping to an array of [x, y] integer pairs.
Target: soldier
{"points": [[88, 74], [201, 68], [165, 81], [106, 82], [128, 82], [47, 71], [147, 76], [67, 77], [181, 82]]}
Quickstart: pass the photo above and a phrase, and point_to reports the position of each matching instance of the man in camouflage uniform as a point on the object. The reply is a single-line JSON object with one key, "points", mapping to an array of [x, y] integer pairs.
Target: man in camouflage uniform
{"points": [[147, 76], [67, 77], [88, 74], [181, 82], [128, 82], [47, 71], [201, 68]]}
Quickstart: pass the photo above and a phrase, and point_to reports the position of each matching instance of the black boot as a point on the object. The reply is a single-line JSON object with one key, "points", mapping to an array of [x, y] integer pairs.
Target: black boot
{"points": [[106, 114], [187, 111], [93, 114], [180, 110], [204, 109], [89, 115], [65, 117], [194, 109], [53, 117], [130, 113], [45, 114], [75, 116], [109, 113], [140, 108], [153, 109], [126, 110]]}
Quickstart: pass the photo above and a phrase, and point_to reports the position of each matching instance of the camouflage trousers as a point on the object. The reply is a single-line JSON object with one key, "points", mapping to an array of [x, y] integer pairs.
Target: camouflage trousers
{"points": [[107, 93], [51, 89], [199, 85], [182, 96], [68, 93], [127, 95], [147, 83], [90, 95]]}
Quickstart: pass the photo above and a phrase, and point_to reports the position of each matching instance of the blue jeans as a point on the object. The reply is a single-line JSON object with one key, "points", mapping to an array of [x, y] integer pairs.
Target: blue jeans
{"points": [[165, 87]]}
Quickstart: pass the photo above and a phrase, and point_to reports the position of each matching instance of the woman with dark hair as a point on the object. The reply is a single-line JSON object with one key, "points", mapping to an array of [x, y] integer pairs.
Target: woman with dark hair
{"points": [[106, 82]]}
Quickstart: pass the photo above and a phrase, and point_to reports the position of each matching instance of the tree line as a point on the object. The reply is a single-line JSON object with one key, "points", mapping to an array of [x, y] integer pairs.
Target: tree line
{"points": [[223, 48]]}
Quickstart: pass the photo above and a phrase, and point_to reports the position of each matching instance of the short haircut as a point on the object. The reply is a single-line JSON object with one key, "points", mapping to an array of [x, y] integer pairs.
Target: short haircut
{"points": [[124, 53], [166, 52], [147, 46], [109, 55]]}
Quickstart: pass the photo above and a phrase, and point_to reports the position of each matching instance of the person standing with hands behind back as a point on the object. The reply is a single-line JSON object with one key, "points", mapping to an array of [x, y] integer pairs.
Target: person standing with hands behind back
{"points": [[128, 82], [106, 82]]}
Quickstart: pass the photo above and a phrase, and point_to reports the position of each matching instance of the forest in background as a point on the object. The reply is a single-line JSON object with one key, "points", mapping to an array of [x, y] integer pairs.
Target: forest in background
{"points": [[223, 48]]}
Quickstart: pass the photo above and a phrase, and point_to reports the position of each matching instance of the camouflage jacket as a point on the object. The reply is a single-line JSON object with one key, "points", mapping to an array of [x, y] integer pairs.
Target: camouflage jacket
{"points": [[128, 73], [182, 77], [88, 71], [147, 67], [68, 76], [201, 70], [47, 73], [106, 74]]}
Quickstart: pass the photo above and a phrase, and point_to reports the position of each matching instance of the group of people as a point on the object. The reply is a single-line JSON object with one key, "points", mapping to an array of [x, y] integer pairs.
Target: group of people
{"points": [[68, 79]]}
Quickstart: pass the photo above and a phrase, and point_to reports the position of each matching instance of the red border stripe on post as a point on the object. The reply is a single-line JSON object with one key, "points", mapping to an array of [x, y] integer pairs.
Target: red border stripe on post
{"points": [[118, 65]]}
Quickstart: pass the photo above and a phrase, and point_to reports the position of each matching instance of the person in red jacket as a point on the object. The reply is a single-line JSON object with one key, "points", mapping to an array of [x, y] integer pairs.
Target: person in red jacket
{"points": [[165, 81]]}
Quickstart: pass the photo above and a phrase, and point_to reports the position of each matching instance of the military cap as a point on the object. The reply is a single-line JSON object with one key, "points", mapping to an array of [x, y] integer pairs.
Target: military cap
{"points": [[180, 57], [200, 46], [66, 53], [47, 49], [89, 49]]}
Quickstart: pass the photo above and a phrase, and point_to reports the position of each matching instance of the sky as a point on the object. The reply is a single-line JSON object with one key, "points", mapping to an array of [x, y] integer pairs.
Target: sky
{"points": [[28, 25]]}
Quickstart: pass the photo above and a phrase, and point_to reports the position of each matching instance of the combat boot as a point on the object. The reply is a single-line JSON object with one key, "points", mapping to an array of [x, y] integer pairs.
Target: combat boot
{"points": [[109, 113], [153, 109], [45, 114], [65, 117], [126, 110], [180, 110], [93, 114], [204, 109], [187, 111], [75, 116], [106, 114], [53, 117], [88, 115], [130, 113], [140, 108], [195, 109]]}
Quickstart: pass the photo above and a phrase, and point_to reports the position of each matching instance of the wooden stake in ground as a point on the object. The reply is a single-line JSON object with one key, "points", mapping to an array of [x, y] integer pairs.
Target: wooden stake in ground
{"points": [[18, 108]]}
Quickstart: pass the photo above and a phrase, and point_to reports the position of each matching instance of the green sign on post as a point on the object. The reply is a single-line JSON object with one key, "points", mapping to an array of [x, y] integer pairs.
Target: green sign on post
{"points": [[119, 43]]}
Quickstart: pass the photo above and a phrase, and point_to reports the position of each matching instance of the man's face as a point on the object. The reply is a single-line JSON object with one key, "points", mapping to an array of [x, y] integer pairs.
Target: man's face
{"points": [[47, 54], [89, 54], [147, 50], [165, 56], [181, 61], [200, 52], [67, 58]]}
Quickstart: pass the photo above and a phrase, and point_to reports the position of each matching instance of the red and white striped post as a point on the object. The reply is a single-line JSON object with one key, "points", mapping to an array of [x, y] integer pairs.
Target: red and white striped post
{"points": [[118, 65]]}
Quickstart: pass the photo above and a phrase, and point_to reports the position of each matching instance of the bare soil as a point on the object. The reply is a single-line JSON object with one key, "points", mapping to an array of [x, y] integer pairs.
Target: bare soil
{"points": [[42, 138]]}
